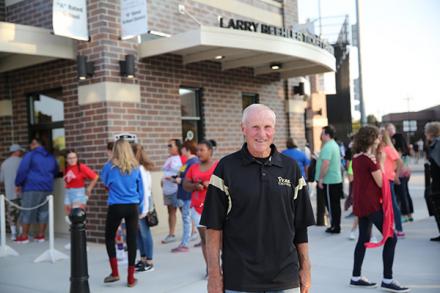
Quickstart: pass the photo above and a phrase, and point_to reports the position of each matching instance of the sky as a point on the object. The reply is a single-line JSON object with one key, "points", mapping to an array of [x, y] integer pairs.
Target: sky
{"points": [[400, 49]]}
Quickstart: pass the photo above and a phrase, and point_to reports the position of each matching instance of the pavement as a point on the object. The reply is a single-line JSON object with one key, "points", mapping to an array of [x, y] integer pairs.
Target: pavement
{"points": [[417, 262]]}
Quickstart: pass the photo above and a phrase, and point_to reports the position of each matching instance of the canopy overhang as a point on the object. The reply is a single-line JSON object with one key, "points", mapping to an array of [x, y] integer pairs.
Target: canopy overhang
{"points": [[243, 49], [22, 46]]}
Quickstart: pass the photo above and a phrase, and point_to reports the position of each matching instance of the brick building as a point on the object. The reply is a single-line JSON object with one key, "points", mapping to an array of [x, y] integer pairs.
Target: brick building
{"points": [[192, 83]]}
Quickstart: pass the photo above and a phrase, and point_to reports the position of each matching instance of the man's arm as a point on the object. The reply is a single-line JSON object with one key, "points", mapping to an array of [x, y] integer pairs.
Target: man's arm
{"points": [[304, 266], [323, 172], [213, 245]]}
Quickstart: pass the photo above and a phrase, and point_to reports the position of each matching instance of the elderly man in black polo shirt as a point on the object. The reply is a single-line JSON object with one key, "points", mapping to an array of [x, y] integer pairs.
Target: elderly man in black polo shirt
{"points": [[257, 211]]}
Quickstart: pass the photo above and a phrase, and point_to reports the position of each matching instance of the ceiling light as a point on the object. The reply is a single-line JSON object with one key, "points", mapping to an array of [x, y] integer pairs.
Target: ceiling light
{"points": [[219, 57], [275, 66]]}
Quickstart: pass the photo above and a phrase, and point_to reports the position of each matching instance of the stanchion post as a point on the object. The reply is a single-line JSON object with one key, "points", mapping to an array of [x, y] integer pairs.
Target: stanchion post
{"points": [[79, 275], [4, 249], [51, 254]]}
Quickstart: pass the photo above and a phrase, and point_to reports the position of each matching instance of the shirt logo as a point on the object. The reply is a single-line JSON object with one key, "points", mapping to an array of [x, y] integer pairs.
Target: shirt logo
{"points": [[285, 182], [69, 176]]}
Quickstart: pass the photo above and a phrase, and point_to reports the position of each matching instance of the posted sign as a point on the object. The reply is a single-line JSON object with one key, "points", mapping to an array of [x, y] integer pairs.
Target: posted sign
{"points": [[133, 18], [69, 19]]}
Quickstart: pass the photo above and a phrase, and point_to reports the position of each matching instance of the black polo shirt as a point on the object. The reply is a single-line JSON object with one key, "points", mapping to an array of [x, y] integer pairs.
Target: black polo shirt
{"points": [[259, 207]]}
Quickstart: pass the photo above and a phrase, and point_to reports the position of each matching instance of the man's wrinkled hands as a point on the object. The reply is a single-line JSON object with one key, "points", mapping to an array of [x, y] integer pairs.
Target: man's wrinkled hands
{"points": [[215, 283], [305, 280]]}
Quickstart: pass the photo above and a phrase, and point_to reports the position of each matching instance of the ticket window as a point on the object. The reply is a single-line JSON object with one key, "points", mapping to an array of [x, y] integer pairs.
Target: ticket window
{"points": [[192, 115], [46, 121]]}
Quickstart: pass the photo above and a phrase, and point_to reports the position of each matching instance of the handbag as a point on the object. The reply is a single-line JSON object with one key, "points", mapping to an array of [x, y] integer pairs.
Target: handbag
{"points": [[151, 218]]}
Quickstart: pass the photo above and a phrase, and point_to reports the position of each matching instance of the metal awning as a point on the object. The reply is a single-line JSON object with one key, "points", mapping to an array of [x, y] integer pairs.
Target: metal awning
{"points": [[238, 48], [22, 46]]}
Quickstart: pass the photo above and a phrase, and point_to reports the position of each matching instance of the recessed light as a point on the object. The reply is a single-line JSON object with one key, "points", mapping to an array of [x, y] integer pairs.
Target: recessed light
{"points": [[275, 66]]}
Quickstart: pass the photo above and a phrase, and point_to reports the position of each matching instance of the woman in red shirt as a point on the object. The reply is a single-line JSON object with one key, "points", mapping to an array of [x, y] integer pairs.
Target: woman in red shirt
{"points": [[367, 206], [75, 175], [197, 180]]}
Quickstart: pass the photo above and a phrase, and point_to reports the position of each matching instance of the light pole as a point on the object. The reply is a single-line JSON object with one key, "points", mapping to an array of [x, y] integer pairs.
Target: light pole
{"points": [[361, 94]]}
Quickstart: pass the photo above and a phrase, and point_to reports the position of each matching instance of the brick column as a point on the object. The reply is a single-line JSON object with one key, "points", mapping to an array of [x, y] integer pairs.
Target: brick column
{"points": [[108, 103], [295, 108]]}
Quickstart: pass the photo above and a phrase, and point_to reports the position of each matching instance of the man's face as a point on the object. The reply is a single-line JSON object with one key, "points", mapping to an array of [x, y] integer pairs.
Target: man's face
{"points": [[34, 144], [259, 130], [324, 136]]}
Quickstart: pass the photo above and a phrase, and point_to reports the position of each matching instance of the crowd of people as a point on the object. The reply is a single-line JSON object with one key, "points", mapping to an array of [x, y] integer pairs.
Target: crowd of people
{"points": [[219, 200]]}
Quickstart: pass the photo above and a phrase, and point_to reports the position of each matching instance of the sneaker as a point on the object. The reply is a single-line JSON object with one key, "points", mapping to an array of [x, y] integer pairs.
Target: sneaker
{"points": [[139, 264], [198, 244], [362, 283], [22, 239], [146, 268], [39, 238], [169, 239], [394, 286], [435, 239], [333, 230], [111, 279], [352, 235], [400, 234], [180, 248], [13, 237], [194, 236]]}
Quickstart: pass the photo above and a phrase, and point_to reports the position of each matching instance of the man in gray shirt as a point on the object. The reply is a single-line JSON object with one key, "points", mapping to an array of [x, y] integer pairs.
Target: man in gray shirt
{"points": [[8, 172]]}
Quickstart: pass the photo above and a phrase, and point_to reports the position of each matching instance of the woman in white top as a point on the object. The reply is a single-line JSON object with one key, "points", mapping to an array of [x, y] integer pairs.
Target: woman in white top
{"points": [[170, 170], [144, 237]]}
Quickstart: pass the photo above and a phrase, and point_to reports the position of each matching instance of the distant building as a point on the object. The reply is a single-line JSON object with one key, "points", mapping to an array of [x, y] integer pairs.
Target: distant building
{"points": [[412, 123]]}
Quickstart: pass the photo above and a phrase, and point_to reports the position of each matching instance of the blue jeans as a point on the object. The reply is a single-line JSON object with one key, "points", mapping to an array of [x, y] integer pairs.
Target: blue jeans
{"points": [[186, 220], [396, 209], [294, 290], [145, 240]]}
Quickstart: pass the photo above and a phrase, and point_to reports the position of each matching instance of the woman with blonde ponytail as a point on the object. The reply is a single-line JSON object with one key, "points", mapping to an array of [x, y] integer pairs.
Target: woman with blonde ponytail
{"points": [[122, 177]]}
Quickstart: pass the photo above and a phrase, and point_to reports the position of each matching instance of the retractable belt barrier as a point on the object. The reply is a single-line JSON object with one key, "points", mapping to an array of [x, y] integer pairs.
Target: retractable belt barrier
{"points": [[51, 254]]}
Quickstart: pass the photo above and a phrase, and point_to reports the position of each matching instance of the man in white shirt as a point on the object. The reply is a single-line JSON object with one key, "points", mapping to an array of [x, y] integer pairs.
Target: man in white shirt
{"points": [[8, 171]]}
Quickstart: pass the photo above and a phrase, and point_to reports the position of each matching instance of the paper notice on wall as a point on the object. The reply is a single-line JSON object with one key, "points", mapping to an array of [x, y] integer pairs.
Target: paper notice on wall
{"points": [[133, 18], [69, 19]]}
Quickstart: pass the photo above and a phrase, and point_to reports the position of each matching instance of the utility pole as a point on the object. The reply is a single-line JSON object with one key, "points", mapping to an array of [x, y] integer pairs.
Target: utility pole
{"points": [[361, 93]]}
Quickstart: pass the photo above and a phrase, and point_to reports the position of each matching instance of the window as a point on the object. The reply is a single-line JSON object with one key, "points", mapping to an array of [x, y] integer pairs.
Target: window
{"points": [[46, 121], [249, 99], [191, 111]]}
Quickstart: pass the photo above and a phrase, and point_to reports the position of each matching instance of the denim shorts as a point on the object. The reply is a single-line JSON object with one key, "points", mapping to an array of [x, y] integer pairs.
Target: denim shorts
{"points": [[31, 199], [195, 216], [171, 200], [75, 195]]}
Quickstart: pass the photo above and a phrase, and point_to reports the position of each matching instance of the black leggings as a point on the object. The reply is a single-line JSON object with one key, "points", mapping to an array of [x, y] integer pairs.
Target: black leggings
{"points": [[365, 223], [115, 214]]}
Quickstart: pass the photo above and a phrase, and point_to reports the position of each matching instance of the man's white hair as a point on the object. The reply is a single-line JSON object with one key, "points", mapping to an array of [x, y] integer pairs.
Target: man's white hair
{"points": [[257, 108]]}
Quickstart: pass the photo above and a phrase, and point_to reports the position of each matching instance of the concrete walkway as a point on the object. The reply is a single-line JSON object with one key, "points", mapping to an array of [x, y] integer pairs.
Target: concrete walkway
{"points": [[417, 262]]}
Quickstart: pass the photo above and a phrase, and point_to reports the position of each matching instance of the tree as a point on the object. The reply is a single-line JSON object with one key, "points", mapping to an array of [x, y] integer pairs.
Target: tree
{"points": [[372, 120]]}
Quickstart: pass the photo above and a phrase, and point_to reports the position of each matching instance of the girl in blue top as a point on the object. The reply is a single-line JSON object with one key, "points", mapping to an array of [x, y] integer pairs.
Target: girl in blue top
{"points": [[122, 177]]}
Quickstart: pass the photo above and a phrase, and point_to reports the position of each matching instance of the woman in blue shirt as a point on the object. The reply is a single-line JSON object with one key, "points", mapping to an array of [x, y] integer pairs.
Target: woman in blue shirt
{"points": [[122, 177], [299, 156]]}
